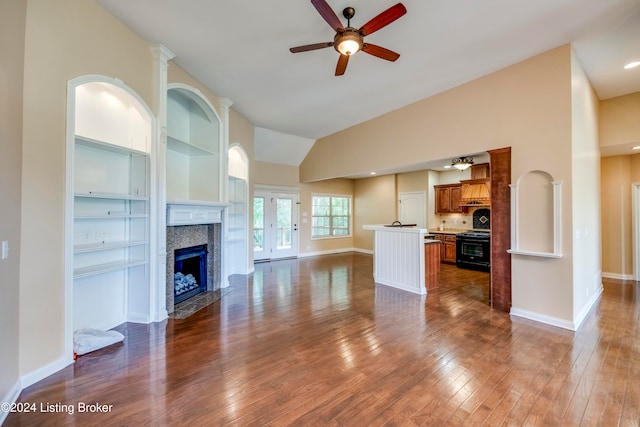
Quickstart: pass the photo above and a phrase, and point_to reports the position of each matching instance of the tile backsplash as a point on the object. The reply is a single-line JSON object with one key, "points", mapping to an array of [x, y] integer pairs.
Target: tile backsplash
{"points": [[462, 221]]}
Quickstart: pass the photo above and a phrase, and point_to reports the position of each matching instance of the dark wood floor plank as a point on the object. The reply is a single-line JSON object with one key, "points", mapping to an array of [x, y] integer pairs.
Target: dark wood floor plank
{"points": [[316, 342]]}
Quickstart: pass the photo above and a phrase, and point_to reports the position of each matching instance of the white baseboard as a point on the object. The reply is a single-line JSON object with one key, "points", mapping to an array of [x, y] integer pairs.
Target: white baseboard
{"points": [[401, 286], [42, 373], [138, 318], [363, 251], [161, 315], [332, 251], [542, 318], [555, 321], [587, 308], [618, 276], [10, 397]]}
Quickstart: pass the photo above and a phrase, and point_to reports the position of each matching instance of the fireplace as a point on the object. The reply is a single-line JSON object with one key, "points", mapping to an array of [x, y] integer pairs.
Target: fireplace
{"points": [[190, 272], [190, 225], [208, 238]]}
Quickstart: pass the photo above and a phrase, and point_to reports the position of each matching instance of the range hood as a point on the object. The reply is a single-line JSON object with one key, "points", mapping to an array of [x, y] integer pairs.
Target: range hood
{"points": [[475, 192]]}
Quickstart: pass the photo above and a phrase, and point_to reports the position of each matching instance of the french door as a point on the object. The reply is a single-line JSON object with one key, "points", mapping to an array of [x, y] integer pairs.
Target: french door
{"points": [[275, 225]]}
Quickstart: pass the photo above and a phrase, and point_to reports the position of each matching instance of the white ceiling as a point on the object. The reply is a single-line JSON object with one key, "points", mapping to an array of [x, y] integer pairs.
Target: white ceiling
{"points": [[240, 50]]}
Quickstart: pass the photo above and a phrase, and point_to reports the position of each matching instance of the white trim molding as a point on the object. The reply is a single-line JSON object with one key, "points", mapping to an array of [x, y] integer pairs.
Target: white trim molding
{"points": [[334, 251], [556, 321], [11, 397], [618, 276], [635, 229], [194, 213], [43, 372], [516, 244], [542, 318]]}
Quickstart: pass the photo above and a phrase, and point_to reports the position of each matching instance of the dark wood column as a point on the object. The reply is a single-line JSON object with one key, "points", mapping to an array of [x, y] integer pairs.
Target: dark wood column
{"points": [[500, 228]]}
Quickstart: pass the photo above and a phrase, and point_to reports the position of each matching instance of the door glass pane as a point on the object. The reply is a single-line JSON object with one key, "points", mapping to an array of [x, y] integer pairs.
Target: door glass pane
{"points": [[258, 223], [284, 208]]}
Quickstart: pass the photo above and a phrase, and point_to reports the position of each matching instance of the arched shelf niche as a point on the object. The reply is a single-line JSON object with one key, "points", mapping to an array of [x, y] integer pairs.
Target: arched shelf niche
{"points": [[194, 137], [238, 212], [536, 220], [109, 140]]}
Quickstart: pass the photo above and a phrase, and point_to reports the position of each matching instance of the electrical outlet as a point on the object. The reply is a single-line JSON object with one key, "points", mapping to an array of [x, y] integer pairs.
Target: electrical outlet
{"points": [[5, 249]]}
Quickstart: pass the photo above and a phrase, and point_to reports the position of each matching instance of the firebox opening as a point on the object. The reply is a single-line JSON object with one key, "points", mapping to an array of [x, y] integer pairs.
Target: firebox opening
{"points": [[190, 272]]}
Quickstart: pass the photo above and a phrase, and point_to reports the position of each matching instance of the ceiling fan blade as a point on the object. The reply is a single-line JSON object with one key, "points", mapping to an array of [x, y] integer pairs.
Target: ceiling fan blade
{"points": [[308, 47], [343, 60], [383, 19], [327, 13], [380, 52]]}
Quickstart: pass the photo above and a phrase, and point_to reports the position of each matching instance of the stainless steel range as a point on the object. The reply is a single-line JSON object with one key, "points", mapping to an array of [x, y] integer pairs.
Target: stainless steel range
{"points": [[473, 250]]}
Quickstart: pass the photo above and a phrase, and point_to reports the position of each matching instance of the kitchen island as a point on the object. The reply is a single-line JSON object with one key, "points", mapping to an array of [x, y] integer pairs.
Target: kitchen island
{"points": [[403, 258]]}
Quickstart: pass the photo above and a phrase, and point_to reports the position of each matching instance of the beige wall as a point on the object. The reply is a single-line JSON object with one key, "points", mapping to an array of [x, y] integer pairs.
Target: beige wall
{"points": [[620, 120], [242, 131], [527, 107], [617, 232], [413, 181], [374, 203], [275, 174], [58, 47], [12, 33], [175, 74]]}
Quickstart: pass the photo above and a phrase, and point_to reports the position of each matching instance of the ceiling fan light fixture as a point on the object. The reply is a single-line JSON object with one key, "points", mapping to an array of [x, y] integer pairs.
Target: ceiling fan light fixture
{"points": [[462, 163], [349, 42]]}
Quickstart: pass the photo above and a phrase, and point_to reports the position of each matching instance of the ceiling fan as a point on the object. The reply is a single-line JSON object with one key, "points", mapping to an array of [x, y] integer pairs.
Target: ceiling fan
{"points": [[348, 40]]}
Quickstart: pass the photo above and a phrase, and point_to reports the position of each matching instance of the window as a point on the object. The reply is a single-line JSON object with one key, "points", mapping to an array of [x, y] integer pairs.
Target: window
{"points": [[331, 216]]}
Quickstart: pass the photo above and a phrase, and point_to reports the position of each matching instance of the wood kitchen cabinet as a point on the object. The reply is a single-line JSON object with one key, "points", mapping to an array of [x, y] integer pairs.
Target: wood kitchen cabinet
{"points": [[448, 198], [447, 248], [480, 171]]}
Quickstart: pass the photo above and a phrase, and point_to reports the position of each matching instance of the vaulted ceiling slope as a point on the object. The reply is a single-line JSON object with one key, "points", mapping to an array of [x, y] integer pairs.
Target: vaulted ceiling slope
{"points": [[240, 50]]}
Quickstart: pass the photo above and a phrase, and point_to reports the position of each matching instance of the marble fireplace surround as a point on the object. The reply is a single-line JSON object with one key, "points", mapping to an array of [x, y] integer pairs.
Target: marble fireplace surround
{"points": [[193, 225]]}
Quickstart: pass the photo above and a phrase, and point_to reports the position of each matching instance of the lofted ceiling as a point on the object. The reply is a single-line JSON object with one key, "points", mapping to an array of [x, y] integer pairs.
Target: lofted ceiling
{"points": [[240, 50]]}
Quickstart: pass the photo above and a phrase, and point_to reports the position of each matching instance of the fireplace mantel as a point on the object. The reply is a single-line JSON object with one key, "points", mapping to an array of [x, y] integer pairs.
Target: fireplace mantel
{"points": [[190, 212]]}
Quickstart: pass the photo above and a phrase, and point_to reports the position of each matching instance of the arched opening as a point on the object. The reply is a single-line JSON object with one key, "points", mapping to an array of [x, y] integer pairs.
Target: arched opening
{"points": [[107, 247]]}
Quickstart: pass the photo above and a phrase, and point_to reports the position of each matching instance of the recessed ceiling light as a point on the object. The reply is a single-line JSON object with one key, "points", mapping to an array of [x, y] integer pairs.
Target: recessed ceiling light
{"points": [[447, 166], [633, 64], [637, 147], [372, 173]]}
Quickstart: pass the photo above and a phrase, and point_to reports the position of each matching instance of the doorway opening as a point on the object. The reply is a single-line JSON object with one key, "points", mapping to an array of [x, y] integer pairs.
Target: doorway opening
{"points": [[275, 224]]}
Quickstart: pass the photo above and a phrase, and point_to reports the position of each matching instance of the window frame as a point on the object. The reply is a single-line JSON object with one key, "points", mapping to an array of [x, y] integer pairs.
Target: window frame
{"points": [[331, 216]]}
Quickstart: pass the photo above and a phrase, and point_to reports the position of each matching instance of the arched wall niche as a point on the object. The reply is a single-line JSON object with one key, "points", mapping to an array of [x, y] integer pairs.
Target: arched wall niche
{"points": [[194, 141], [105, 109], [110, 134], [536, 215], [238, 162]]}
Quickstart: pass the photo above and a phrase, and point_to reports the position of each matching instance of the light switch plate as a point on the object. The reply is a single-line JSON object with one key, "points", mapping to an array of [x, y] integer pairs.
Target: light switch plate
{"points": [[5, 249]]}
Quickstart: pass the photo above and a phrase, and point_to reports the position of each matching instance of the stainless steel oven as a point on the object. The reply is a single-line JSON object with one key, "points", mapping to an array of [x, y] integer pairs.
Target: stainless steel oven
{"points": [[473, 250]]}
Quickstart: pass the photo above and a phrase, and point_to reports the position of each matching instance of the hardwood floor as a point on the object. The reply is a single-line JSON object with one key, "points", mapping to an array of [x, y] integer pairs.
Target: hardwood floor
{"points": [[315, 342]]}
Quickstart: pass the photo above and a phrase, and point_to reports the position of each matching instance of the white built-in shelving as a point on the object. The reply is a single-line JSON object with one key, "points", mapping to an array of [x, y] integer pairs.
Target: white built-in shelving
{"points": [[237, 236], [193, 148], [110, 177]]}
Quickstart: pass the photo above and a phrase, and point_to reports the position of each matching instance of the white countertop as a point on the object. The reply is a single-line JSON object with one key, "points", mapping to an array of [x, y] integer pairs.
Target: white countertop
{"points": [[381, 227]]}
